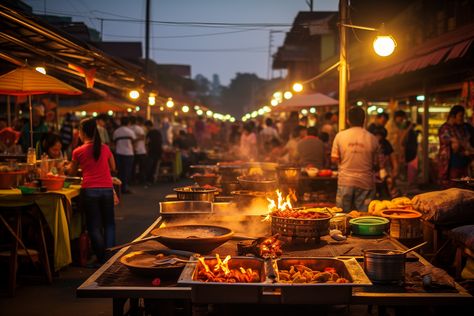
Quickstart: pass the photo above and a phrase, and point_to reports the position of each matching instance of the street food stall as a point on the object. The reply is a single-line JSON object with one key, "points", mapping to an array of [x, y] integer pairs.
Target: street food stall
{"points": [[265, 248]]}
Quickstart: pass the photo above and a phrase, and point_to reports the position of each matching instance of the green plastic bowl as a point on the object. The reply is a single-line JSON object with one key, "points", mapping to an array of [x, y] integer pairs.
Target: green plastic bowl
{"points": [[368, 225], [28, 190]]}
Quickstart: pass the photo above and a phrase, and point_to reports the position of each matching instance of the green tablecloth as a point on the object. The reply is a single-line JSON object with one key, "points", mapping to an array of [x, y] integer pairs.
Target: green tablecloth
{"points": [[55, 206]]}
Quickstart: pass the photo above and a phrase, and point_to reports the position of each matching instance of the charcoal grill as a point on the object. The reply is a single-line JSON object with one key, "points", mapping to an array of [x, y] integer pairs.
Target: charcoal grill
{"points": [[295, 228]]}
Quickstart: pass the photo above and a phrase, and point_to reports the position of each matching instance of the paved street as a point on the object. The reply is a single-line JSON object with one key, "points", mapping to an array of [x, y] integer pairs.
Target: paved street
{"points": [[136, 212]]}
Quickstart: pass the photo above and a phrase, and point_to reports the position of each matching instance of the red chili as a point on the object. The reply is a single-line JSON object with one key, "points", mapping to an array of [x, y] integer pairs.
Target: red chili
{"points": [[330, 270], [156, 282]]}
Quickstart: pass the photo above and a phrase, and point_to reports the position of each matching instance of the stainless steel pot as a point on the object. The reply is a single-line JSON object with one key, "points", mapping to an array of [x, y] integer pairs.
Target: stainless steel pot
{"points": [[195, 194], [228, 187], [268, 185], [385, 265]]}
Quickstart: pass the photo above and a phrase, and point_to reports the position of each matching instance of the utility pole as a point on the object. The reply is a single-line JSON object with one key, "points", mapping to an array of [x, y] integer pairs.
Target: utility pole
{"points": [[310, 4], [101, 28], [269, 66], [342, 64], [147, 52]]}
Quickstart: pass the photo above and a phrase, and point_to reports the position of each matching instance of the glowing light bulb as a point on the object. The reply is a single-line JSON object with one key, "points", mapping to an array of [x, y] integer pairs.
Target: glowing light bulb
{"points": [[134, 94], [297, 87], [384, 45]]}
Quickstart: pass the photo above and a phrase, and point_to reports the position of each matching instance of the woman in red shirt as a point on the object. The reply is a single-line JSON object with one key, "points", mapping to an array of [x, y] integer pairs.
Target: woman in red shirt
{"points": [[97, 163]]}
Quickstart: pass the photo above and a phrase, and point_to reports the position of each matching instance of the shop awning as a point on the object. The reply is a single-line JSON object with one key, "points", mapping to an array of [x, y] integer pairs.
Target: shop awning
{"points": [[302, 101], [448, 47]]}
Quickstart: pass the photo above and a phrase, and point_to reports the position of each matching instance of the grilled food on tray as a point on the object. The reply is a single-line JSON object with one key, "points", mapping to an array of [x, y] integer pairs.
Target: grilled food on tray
{"points": [[220, 272], [302, 274], [301, 214]]}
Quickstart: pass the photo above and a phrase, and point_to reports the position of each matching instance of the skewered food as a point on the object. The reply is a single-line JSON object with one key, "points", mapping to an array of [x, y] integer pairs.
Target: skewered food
{"points": [[302, 274]]}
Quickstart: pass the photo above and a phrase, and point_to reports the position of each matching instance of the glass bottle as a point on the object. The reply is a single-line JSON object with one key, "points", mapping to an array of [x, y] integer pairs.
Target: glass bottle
{"points": [[31, 156]]}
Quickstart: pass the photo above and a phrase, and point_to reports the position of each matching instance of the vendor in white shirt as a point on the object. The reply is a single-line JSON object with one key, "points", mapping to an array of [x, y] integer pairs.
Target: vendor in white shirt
{"points": [[356, 151], [140, 149], [124, 138]]}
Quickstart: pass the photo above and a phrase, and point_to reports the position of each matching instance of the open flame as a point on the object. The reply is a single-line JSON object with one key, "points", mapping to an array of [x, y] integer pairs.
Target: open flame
{"points": [[222, 273], [280, 204]]}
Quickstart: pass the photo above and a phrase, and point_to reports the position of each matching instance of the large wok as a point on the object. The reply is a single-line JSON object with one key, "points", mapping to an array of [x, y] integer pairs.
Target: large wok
{"points": [[195, 238]]}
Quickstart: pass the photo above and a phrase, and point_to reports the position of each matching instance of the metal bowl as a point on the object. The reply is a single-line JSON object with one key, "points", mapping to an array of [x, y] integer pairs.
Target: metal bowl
{"points": [[195, 194], [229, 187], [205, 179]]}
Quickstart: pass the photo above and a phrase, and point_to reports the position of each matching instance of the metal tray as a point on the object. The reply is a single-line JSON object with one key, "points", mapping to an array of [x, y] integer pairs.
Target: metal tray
{"points": [[175, 208], [321, 293], [216, 292]]}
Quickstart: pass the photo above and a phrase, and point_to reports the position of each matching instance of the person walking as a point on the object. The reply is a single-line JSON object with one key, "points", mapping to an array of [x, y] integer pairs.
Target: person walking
{"points": [[154, 146], [356, 151], [124, 138], [139, 147], [97, 163]]}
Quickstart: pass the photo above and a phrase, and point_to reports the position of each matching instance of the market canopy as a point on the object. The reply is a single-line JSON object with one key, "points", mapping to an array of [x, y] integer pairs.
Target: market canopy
{"points": [[27, 81], [98, 106], [300, 101]]}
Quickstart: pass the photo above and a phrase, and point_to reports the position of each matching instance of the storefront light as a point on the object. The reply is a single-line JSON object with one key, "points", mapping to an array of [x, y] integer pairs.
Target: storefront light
{"points": [[232, 119], [379, 110], [129, 110], [197, 107], [420, 98], [312, 110], [94, 114], [297, 87], [41, 70], [360, 103], [151, 99], [199, 112], [304, 112], [83, 113], [274, 102], [261, 112], [254, 114], [288, 95], [169, 103], [137, 108], [162, 108], [278, 95], [185, 109], [110, 112], [134, 94], [209, 113], [267, 109]]}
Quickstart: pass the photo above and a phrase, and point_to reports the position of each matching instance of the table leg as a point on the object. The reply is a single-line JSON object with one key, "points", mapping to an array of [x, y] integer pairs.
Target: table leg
{"points": [[14, 256], [44, 252], [118, 306]]}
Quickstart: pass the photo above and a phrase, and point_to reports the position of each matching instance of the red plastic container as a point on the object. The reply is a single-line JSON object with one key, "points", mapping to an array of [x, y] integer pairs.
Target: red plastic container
{"points": [[53, 183]]}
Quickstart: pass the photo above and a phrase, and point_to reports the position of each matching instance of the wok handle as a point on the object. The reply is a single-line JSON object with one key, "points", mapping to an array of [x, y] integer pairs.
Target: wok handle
{"points": [[242, 237], [132, 243]]}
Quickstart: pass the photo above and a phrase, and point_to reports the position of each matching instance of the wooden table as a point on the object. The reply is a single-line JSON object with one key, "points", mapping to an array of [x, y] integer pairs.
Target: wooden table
{"points": [[113, 280], [55, 207]]}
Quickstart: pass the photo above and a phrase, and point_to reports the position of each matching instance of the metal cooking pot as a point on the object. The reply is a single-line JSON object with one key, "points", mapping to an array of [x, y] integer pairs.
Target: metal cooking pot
{"points": [[385, 265], [228, 187], [257, 185], [195, 194]]}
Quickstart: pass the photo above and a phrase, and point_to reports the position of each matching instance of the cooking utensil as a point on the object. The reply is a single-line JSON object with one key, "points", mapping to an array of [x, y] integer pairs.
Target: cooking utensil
{"points": [[169, 261], [143, 263], [197, 238], [416, 247], [385, 265], [135, 242], [190, 193], [186, 208], [229, 187], [368, 225], [205, 179], [264, 185]]}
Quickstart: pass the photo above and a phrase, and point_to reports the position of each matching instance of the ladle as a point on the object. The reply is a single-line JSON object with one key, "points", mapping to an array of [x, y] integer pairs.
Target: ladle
{"points": [[413, 248]]}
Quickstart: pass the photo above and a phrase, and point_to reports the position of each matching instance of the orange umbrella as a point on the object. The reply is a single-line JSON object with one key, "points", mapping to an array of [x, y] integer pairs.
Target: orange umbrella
{"points": [[27, 81], [99, 106]]}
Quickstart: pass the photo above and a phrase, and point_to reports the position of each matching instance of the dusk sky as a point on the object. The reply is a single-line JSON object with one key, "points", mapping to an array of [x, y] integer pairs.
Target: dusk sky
{"points": [[235, 49]]}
